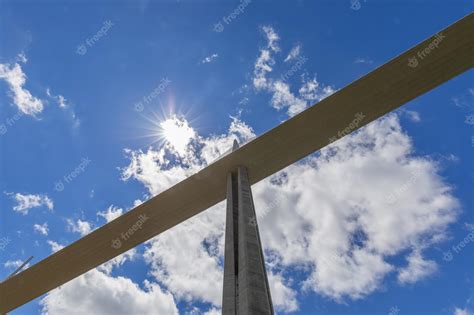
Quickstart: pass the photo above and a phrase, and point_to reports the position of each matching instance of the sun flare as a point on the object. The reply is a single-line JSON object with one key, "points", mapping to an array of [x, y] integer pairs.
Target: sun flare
{"points": [[177, 133]]}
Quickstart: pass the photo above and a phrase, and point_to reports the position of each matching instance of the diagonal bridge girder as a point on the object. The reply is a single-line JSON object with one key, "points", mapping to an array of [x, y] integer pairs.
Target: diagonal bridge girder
{"points": [[375, 94]]}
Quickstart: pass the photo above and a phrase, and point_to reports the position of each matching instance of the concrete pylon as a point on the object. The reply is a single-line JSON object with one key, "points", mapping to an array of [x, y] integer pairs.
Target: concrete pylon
{"points": [[246, 289]]}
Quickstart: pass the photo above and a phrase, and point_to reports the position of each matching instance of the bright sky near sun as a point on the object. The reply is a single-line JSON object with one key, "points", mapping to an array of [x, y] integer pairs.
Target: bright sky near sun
{"points": [[177, 133], [104, 104]]}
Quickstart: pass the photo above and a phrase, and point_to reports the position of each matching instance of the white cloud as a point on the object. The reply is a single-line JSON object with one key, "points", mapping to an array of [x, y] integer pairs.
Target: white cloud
{"points": [[79, 226], [263, 65], [283, 297], [411, 115], [264, 62], [417, 269], [282, 97], [26, 202], [341, 228], [217, 146], [210, 58], [312, 91], [61, 100], [364, 60], [14, 264], [144, 167], [341, 221], [464, 101], [328, 214], [16, 79], [213, 311], [22, 58], [98, 293], [154, 169], [111, 213], [55, 246], [66, 106], [41, 228], [118, 261], [294, 53], [363, 227], [459, 311], [272, 38], [197, 240], [469, 226]]}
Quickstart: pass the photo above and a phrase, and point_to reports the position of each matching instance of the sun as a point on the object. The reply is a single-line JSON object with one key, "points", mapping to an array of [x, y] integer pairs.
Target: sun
{"points": [[177, 133], [170, 127]]}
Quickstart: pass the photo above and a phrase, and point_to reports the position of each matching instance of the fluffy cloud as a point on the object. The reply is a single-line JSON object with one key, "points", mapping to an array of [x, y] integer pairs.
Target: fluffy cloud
{"points": [[157, 172], [460, 311], [16, 79], [210, 58], [26, 202], [294, 53], [118, 261], [283, 297], [418, 268], [282, 97], [41, 228], [196, 238], [312, 91], [364, 61], [55, 246], [98, 293], [66, 107], [263, 65], [272, 38], [79, 226], [14, 264], [111, 213], [61, 100], [331, 214], [199, 239]]}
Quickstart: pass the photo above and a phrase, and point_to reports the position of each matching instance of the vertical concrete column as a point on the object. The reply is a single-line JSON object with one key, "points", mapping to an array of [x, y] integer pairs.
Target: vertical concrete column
{"points": [[253, 290], [230, 298], [246, 289]]}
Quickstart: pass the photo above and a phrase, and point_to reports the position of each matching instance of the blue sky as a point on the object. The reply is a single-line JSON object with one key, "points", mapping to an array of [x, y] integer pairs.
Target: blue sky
{"points": [[105, 104]]}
